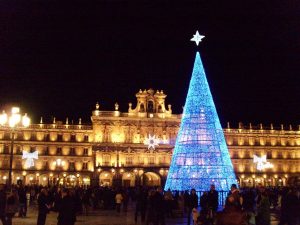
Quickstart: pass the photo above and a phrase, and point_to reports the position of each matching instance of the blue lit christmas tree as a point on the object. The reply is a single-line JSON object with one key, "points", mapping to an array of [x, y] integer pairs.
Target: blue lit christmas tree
{"points": [[200, 157]]}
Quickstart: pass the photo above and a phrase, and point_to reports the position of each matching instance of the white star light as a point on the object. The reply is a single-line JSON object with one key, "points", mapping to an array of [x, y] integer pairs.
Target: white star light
{"points": [[30, 158], [197, 38], [151, 141]]}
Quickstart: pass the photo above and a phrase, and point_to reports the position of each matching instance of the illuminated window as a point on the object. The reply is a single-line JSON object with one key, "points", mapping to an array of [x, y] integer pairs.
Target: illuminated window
{"points": [[151, 160], [106, 159], [129, 160]]}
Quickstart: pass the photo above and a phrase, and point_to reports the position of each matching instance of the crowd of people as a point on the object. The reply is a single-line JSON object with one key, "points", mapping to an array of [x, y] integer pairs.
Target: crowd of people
{"points": [[152, 205]]}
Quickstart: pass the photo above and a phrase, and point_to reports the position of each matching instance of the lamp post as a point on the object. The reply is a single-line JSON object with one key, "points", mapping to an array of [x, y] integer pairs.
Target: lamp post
{"points": [[59, 163], [13, 121]]}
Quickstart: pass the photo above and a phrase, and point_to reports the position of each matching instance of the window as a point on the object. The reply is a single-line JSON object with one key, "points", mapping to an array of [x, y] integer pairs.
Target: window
{"points": [[85, 151], [85, 166], [151, 160], [72, 166], [129, 160], [141, 160], [162, 160], [106, 159], [6, 149], [86, 138]]}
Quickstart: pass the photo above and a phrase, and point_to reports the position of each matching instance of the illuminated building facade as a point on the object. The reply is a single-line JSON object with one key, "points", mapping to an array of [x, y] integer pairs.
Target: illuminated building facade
{"points": [[114, 148]]}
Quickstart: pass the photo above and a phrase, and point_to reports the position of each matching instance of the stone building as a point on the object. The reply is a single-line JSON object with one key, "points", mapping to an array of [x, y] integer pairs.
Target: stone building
{"points": [[135, 147]]}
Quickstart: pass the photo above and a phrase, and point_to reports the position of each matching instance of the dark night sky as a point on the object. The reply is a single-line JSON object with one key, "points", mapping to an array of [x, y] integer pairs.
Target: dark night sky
{"points": [[58, 58]]}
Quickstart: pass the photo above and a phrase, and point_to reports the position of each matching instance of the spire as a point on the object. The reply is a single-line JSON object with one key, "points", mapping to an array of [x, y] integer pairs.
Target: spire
{"points": [[201, 155]]}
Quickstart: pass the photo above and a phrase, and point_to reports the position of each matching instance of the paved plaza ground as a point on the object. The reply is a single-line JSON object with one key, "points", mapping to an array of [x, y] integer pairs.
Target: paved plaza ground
{"points": [[100, 217]]}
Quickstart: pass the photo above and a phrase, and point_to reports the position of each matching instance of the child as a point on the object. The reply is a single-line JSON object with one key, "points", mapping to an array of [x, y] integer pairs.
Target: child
{"points": [[195, 215]]}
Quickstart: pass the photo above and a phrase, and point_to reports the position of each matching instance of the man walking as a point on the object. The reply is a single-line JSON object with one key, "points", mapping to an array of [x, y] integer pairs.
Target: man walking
{"points": [[192, 203], [2, 204], [43, 206]]}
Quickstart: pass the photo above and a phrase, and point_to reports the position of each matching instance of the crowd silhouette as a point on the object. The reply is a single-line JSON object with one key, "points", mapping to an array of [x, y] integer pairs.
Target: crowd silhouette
{"points": [[152, 205]]}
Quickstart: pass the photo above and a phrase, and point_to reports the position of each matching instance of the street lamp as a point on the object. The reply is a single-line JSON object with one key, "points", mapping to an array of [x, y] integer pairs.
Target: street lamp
{"points": [[13, 121], [59, 164]]}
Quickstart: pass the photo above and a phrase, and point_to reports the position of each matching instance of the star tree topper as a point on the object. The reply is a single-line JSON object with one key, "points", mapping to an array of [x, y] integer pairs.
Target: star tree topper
{"points": [[197, 38], [30, 158], [151, 141]]}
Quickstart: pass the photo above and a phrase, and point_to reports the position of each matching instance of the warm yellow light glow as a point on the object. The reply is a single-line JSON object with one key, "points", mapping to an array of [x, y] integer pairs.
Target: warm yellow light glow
{"points": [[3, 118], [77, 175], [64, 174], [4, 177], [121, 170], [106, 175], [31, 178], [25, 120], [24, 173], [18, 178], [117, 136], [113, 170], [15, 110], [14, 119], [44, 178], [51, 175], [128, 175], [37, 174]]}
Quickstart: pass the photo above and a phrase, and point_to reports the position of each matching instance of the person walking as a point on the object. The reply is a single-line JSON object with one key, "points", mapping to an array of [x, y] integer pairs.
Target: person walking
{"points": [[43, 207], [2, 204], [213, 202], [66, 209], [192, 203], [12, 206], [141, 204], [159, 207], [119, 199]]}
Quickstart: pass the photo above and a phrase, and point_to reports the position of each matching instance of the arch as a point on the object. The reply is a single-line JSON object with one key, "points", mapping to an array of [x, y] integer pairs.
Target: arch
{"points": [[43, 179], [128, 179], [30, 179], [150, 106], [142, 107], [159, 108], [151, 179], [105, 178]]}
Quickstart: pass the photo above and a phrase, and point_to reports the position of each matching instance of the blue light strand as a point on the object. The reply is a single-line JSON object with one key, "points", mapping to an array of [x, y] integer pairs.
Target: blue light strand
{"points": [[201, 156]]}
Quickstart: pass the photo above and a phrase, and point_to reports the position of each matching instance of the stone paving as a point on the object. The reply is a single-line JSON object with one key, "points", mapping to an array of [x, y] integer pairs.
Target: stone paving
{"points": [[100, 217]]}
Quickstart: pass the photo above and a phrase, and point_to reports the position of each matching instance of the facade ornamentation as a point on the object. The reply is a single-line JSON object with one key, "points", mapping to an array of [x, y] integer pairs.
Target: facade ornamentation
{"points": [[111, 149]]}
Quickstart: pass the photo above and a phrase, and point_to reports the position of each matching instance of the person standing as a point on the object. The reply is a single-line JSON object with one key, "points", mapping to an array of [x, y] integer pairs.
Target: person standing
{"points": [[43, 207], [141, 204], [23, 201], [192, 203], [2, 204], [235, 194], [159, 207], [12, 206], [213, 202], [66, 209], [119, 199]]}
